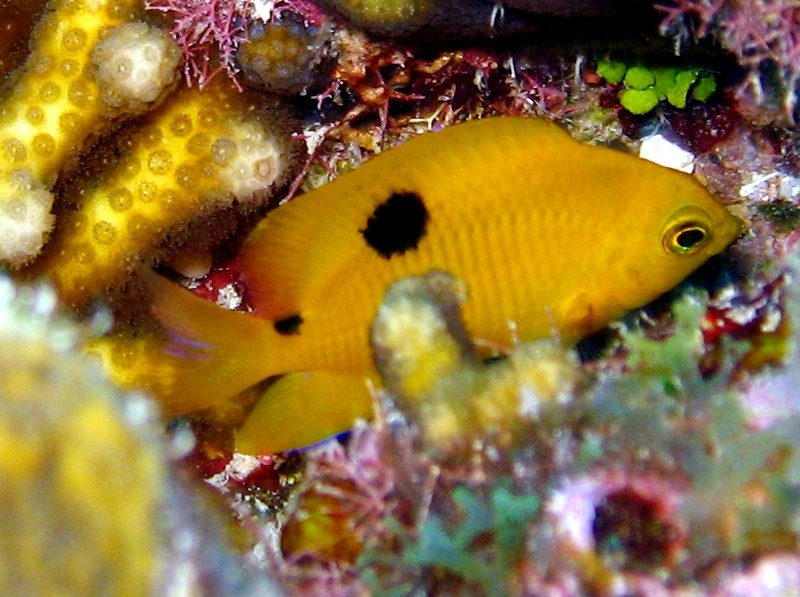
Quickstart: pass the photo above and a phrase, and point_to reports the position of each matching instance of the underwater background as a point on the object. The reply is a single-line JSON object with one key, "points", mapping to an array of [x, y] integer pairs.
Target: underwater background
{"points": [[659, 456]]}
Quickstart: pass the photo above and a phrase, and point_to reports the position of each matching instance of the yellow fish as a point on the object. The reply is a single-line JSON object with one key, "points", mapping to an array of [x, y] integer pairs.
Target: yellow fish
{"points": [[551, 236]]}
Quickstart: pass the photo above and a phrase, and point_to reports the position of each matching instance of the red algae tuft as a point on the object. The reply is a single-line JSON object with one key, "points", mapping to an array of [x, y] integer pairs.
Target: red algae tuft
{"points": [[208, 33]]}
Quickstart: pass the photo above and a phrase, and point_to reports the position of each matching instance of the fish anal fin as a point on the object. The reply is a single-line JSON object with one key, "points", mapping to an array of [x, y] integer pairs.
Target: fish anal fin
{"points": [[301, 409]]}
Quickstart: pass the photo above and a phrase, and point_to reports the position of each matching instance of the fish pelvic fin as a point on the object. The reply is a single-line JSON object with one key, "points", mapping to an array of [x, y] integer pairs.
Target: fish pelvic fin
{"points": [[301, 409]]}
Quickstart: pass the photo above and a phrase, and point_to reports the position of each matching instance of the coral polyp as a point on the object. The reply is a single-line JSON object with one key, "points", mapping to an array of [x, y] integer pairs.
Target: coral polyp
{"points": [[136, 63], [55, 105]]}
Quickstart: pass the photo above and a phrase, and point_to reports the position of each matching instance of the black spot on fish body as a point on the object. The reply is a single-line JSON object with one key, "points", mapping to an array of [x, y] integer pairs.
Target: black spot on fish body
{"points": [[397, 225], [288, 326]]}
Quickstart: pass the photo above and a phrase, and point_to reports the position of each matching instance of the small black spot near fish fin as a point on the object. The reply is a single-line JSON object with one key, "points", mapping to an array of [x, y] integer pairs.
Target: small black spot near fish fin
{"points": [[396, 225], [288, 326]]}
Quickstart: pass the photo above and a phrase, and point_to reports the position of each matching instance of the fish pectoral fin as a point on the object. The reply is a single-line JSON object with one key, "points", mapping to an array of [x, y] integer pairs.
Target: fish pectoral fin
{"points": [[579, 318], [301, 409]]}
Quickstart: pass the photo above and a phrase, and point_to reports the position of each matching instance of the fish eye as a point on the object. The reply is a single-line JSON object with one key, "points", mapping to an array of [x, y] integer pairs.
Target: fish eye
{"points": [[685, 238]]}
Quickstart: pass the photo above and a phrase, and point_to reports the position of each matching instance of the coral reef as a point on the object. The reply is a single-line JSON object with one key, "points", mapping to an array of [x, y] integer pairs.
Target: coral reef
{"points": [[646, 86], [468, 18], [566, 506], [301, 250], [658, 457], [427, 360], [136, 63], [208, 34], [286, 56], [56, 103], [201, 151], [92, 503], [762, 35], [18, 19], [81, 484]]}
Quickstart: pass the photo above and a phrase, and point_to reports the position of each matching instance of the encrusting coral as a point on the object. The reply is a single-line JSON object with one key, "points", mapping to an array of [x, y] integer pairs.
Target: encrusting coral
{"points": [[201, 151], [58, 101], [428, 362], [92, 503]]}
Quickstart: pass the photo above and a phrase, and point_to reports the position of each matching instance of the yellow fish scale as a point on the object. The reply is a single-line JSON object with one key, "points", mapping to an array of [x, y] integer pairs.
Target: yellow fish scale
{"points": [[555, 237]]}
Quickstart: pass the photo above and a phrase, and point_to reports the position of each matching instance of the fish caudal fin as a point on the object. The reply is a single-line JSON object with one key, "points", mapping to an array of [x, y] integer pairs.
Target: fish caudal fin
{"points": [[210, 354], [301, 409]]}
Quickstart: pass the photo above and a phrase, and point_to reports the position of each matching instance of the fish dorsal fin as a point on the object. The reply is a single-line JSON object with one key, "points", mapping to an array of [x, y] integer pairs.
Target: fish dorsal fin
{"points": [[298, 245], [303, 246], [301, 409]]}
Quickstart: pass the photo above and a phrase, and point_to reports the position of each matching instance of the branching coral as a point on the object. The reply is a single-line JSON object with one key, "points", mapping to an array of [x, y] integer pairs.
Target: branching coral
{"points": [[56, 103], [135, 63], [202, 150]]}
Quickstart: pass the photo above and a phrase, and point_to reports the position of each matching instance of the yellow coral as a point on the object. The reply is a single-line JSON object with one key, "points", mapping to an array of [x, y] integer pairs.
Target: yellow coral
{"points": [[56, 103], [426, 361], [200, 150], [82, 484]]}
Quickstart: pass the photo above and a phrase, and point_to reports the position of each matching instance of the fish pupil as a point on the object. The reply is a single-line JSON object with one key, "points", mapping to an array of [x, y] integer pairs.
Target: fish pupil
{"points": [[397, 225], [688, 238]]}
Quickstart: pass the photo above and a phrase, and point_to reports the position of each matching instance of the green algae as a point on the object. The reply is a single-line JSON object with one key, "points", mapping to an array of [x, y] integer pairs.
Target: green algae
{"points": [[479, 546], [645, 86]]}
